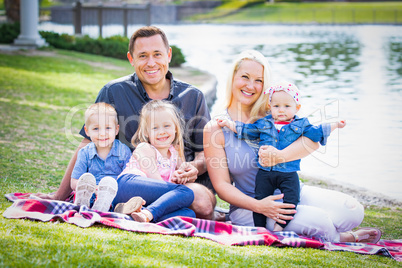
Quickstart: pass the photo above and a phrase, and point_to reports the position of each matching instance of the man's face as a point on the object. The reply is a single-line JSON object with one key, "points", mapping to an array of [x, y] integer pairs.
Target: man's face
{"points": [[151, 60]]}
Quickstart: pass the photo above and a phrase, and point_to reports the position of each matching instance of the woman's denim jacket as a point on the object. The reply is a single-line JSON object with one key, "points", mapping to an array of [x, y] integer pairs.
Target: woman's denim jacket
{"points": [[264, 129]]}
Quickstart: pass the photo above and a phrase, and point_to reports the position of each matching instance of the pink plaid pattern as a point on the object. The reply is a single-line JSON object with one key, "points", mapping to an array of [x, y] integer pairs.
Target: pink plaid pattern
{"points": [[220, 232]]}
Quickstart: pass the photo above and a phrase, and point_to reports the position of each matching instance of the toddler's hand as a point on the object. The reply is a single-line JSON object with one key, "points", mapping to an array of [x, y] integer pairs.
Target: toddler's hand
{"points": [[341, 123], [222, 122]]}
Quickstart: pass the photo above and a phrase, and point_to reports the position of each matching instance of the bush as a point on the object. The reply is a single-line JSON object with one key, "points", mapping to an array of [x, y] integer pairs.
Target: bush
{"points": [[63, 41], [114, 46], [177, 57], [9, 32]]}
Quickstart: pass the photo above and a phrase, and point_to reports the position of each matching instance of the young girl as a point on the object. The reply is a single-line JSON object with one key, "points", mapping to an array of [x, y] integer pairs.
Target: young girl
{"points": [[159, 151]]}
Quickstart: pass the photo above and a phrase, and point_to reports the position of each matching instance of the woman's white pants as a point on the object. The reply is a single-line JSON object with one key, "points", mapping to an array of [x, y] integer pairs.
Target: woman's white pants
{"points": [[322, 213]]}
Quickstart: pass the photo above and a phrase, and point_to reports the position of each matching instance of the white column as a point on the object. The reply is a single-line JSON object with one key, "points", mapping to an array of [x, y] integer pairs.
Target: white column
{"points": [[29, 11]]}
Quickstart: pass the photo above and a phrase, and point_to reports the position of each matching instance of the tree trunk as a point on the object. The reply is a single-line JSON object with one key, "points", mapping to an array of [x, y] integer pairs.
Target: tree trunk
{"points": [[12, 8]]}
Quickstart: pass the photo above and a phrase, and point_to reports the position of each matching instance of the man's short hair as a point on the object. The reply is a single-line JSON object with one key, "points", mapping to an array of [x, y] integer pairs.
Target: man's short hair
{"points": [[147, 31]]}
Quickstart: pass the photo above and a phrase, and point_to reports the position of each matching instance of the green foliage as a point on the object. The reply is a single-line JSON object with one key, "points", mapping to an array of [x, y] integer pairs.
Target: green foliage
{"points": [[288, 1], [114, 46], [9, 32], [177, 57], [293, 11], [63, 41]]}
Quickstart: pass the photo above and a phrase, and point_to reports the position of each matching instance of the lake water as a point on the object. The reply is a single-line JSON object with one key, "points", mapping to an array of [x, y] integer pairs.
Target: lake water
{"points": [[348, 72]]}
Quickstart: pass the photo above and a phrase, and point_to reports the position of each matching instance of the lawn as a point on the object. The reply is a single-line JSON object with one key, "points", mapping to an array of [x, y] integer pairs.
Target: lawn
{"points": [[41, 101], [305, 13]]}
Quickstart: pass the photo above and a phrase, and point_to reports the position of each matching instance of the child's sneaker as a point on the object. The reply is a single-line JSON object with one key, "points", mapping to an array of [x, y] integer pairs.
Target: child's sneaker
{"points": [[142, 216], [107, 190], [133, 205], [86, 186]]}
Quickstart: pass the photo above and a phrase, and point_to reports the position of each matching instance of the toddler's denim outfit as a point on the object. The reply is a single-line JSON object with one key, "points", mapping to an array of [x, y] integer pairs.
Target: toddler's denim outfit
{"points": [[284, 175]]}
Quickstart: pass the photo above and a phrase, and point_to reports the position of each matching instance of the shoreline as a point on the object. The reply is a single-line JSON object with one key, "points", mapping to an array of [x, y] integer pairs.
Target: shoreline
{"points": [[365, 197]]}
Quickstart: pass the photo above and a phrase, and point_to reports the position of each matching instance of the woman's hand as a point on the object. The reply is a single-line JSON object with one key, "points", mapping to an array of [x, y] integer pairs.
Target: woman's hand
{"points": [[185, 173], [276, 210], [269, 156]]}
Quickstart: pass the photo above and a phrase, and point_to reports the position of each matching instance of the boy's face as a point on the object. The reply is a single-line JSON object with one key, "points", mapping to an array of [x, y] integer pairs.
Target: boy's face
{"points": [[283, 106], [102, 129]]}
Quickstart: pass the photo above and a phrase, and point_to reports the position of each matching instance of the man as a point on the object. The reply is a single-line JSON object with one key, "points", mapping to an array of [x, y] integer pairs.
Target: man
{"points": [[149, 53]]}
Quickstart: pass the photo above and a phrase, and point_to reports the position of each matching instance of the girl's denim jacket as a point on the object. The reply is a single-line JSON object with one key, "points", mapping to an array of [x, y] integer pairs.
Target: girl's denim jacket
{"points": [[264, 129]]}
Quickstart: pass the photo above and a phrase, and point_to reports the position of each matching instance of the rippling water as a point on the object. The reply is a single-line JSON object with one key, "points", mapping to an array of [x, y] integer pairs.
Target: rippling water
{"points": [[348, 72]]}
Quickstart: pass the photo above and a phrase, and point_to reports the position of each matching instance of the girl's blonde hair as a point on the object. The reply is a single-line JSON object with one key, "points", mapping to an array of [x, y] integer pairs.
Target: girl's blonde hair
{"points": [[142, 135], [260, 107]]}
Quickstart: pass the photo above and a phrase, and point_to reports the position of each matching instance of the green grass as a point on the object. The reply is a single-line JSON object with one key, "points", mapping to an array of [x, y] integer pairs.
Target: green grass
{"points": [[290, 13], [36, 96]]}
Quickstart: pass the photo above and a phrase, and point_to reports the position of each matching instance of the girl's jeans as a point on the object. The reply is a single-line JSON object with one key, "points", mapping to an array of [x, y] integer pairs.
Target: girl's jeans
{"points": [[163, 199]]}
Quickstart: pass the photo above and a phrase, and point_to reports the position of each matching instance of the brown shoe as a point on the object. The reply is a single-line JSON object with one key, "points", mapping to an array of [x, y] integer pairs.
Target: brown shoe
{"points": [[142, 216], [133, 205]]}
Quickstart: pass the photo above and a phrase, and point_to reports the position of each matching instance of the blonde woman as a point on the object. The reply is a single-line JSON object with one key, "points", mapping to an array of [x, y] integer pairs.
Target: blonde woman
{"points": [[232, 167]]}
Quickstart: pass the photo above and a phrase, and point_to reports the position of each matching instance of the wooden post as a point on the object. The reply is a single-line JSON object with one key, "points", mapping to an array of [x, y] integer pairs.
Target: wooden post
{"points": [[314, 16], [77, 18], [125, 19], [374, 15], [100, 19], [396, 16], [148, 9]]}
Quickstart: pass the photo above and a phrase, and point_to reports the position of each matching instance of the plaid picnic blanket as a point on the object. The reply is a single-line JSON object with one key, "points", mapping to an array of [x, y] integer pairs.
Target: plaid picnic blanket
{"points": [[220, 232]]}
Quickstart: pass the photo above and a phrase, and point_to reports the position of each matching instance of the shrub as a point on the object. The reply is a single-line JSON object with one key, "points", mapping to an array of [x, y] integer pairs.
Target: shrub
{"points": [[114, 46], [63, 41], [9, 32], [177, 57]]}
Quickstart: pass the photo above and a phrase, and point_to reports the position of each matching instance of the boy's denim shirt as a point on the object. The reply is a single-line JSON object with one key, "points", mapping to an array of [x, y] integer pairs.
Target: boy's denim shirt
{"points": [[89, 161], [264, 129]]}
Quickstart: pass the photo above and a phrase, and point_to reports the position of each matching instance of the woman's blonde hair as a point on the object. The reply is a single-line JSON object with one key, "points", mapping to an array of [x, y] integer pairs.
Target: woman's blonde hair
{"points": [[260, 107], [142, 135]]}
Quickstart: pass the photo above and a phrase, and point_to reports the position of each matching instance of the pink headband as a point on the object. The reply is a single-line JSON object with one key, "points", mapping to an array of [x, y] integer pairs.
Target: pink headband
{"points": [[289, 88]]}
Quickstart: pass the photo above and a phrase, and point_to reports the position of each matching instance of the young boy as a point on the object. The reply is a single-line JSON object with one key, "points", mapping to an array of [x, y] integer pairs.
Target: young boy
{"points": [[101, 161], [279, 129]]}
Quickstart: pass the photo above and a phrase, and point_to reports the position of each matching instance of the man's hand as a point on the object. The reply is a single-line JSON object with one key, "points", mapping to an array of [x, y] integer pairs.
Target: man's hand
{"points": [[185, 173]]}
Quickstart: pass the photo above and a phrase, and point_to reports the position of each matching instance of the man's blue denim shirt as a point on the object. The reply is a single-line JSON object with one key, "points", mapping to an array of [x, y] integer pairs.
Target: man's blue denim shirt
{"points": [[89, 161], [264, 129]]}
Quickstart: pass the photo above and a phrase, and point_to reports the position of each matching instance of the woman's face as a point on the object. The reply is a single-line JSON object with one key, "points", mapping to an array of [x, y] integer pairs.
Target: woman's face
{"points": [[248, 83]]}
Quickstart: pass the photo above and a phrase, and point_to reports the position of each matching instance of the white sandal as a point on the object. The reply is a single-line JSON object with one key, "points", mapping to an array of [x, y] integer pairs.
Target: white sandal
{"points": [[365, 238]]}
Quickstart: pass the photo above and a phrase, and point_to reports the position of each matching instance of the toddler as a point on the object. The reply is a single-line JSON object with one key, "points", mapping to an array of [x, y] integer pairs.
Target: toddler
{"points": [[279, 129], [101, 161]]}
